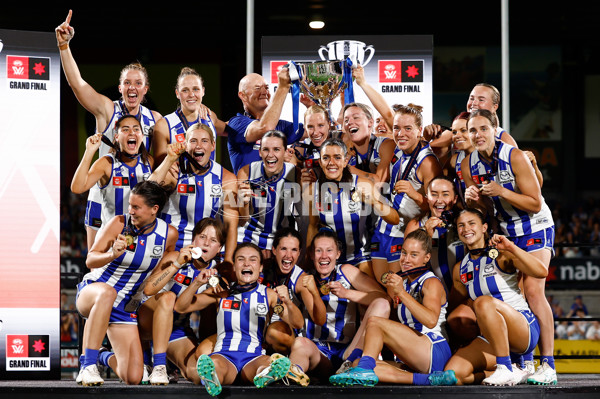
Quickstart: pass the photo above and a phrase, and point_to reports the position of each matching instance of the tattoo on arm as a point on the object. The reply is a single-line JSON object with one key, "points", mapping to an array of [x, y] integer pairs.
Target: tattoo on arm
{"points": [[161, 278]]}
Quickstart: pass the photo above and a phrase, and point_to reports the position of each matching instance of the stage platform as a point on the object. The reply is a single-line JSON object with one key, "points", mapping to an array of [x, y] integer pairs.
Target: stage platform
{"points": [[577, 386]]}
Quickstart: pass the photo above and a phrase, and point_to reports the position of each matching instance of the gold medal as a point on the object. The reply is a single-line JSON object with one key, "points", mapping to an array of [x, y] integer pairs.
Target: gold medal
{"points": [[384, 277], [325, 290], [278, 309], [129, 240], [213, 281], [493, 253]]}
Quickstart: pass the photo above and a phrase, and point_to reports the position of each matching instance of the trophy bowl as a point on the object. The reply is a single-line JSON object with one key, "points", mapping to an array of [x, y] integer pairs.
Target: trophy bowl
{"points": [[322, 81]]}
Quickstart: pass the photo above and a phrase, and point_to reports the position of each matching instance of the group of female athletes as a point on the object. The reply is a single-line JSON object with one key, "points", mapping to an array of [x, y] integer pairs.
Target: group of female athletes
{"points": [[408, 255]]}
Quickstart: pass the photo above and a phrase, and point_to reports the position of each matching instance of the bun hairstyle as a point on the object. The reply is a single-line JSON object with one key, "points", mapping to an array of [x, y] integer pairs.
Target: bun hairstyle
{"points": [[411, 109], [421, 236], [152, 192], [187, 71], [134, 66]]}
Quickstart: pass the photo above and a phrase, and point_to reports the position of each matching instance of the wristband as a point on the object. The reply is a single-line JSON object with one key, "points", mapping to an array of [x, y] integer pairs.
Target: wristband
{"points": [[63, 46], [177, 264]]}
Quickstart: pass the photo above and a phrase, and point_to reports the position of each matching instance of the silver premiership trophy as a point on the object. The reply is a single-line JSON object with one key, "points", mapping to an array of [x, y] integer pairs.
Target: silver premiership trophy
{"points": [[323, 82]]}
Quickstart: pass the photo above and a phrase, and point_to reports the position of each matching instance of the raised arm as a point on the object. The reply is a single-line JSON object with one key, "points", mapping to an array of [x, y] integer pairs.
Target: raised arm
{"points": [[366, 288], [231, 214], [271, 116], [291, 314], [311, 297], [374, 96], [518, 258], [161, 174], [529, 199], [97, 104], [434, 296], [86, 174], [109, 244]]}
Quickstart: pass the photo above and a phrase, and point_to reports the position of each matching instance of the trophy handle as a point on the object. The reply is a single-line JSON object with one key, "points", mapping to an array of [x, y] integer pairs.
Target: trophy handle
{"points": [[371, 53], [321, 52]]}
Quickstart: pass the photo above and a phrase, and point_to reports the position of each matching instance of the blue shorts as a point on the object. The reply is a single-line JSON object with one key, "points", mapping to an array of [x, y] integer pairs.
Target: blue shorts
{"points": [[93, 211], [536, 241], [180, 333], [238, 359], [386, 247], [357, 260], [440, 352], [534, 330], [334, 351], [117, 315]]}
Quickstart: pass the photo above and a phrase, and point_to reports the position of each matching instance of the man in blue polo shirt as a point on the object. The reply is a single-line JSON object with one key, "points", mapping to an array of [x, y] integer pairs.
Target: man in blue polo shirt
{"points": [[261, 114]]}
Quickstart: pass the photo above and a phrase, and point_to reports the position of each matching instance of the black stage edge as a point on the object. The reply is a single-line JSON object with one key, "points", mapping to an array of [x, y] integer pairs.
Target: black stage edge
{"points": [[577, 386]]}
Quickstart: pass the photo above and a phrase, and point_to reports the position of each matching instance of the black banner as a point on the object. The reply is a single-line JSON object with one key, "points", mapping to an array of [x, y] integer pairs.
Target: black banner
{"points": [[574, 273]]}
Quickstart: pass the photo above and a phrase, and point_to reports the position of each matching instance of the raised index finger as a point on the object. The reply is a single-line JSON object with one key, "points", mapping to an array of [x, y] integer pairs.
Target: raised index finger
{"points": [[68, 20]]}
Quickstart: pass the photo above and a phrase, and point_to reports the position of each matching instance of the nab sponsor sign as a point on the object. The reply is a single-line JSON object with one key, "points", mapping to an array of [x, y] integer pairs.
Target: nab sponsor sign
{"points": [[573, 273]]}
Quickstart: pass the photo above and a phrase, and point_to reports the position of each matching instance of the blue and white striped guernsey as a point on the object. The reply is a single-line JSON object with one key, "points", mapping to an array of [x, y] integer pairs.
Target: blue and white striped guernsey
{"points": [[178, 128], [483, 276], [241, 321], [342, 316], [271, 207], [349, 219], [446, 250], [459, 182], [127, 273], [195, 197], [369, 161], [406, 207], [414, 289], [146, 118], [290, 281], [514, 222], [115, 194]]}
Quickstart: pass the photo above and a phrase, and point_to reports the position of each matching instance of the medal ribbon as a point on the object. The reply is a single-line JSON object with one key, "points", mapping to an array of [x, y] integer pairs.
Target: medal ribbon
{"points": [[480, 251], [134, 231], [187, 169], [359, 163], [406, 171], [349, 90], [295, 77], [323, 281], [236, 288]]}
